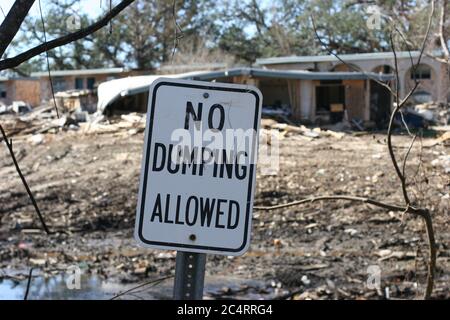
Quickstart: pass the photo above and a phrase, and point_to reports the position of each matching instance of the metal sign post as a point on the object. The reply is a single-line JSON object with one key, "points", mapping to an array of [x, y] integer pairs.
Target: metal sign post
{"points": [[189, 276]]}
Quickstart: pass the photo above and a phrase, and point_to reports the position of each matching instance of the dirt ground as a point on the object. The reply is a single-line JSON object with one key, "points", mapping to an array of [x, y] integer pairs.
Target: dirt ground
{"points": [[86, 186]]}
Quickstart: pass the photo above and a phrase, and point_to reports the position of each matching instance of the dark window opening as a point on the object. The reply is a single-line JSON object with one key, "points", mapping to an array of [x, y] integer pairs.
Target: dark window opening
{"points": [[330, 103], [380, 102], [421, 72], [383, 69], [2, 91], [79, 83], [59, 84], [90, 83], [325, 82]]}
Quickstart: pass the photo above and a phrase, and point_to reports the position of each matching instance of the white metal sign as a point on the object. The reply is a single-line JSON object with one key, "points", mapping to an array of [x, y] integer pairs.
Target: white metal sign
{"points": [[198, 167]]}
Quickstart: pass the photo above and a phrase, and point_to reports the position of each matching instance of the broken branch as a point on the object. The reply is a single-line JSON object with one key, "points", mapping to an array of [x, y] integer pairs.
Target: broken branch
{"points": [[71, 37], [11, 25], [24, 181]]}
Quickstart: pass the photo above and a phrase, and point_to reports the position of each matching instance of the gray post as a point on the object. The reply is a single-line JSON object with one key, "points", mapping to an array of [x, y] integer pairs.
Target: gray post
{"points": [[189, 276]]}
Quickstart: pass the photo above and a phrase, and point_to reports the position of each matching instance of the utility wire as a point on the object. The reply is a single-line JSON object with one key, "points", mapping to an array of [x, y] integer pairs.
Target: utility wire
{"points": [[48, 61]]}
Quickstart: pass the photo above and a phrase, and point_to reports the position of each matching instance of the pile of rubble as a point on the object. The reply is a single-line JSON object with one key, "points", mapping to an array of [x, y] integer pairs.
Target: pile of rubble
{"points": [[437, 114], [17, 107], [44, 120], [286, 130]]}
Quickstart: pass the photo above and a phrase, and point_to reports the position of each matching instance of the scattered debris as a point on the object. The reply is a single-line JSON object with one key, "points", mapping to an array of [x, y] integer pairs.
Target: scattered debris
{"points": [[437, 113], [76, 100], [287, 130], [442, 161], [412, 118], [86, 183], [17, 107]]}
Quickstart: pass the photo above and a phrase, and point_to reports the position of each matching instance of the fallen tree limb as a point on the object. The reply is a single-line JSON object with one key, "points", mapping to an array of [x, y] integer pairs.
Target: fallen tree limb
{"points": [[24, 181], [423, 213]]}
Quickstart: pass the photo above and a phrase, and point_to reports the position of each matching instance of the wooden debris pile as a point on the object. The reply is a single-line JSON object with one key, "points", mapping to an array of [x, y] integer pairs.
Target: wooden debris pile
{"points": [[286, 130]]}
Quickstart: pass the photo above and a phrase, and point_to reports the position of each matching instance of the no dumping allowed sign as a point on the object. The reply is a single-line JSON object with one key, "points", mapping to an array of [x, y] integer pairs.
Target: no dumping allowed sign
{"points": [[198, 168]]}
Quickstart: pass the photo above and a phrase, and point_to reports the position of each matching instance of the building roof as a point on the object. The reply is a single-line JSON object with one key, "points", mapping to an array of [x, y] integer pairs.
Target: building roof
{"points": [[80, 72], [193, 66], [6, 75], [110, 91], [331, 58], [291, 74], [17, 78]]}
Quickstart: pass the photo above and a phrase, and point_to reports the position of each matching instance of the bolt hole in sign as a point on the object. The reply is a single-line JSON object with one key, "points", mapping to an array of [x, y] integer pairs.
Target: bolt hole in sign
{"points": [[198, 168]]}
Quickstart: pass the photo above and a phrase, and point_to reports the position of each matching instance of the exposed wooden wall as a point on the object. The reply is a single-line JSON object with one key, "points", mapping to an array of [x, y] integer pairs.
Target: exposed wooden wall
{"points": [[28, 91], [355, 99]]}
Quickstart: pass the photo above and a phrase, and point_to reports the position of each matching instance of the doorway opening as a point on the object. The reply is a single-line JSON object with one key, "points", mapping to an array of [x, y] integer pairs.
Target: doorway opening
{"points": [[380, 104], [330, 102]]}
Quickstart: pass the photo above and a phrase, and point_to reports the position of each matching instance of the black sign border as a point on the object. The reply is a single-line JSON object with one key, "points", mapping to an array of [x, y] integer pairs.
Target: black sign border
{"points": [[147, 158]]}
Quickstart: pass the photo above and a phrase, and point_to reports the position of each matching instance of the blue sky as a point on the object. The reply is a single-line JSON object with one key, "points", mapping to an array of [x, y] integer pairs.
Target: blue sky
{"points": [[91, 7]]}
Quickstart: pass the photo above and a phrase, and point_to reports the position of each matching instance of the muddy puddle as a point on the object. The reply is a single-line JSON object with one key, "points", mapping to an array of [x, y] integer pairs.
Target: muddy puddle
{"points": [[93, 287]]}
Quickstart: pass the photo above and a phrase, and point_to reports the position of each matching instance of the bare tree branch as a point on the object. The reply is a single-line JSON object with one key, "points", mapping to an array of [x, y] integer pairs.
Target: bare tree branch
{"points": [[27, 291], [48, 61], [151, 282], [407, 154], [399, 103], [443, 35], [12, 22], [426, 216], [71, 37], [24, 181], [423, 213], [353, 67], [380, 204]]}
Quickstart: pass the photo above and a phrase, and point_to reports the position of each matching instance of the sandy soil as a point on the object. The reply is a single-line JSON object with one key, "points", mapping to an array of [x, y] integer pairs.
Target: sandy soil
{"points": [[86, 186]]}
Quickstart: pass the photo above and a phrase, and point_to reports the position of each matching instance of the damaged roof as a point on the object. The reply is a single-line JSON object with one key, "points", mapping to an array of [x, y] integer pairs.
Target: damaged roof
{"points": [[331, 58], [80, 72], [295, 75], [110, 91]]}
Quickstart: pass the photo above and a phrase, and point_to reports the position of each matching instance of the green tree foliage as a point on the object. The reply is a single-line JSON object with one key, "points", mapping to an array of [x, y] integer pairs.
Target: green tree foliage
{"points": [[145, 34]]}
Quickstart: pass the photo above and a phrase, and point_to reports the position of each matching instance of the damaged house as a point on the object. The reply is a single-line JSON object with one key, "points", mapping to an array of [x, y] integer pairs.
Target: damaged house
{"points": [[310, 89], [77, 89], [432, 74], [306, 96], [81, 79], [24, 89]]}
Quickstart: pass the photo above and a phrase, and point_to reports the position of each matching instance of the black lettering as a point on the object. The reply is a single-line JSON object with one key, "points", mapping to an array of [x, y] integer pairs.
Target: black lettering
{"points": [[211, 115], [177, 215], [225, 165], [166, 215], [219, 213], [155, 157], [190, 111], [206, 211], [240, 164], [230, 213], [188, 204], [157, 209], [172, 161], [215, 169], [190, 161]]}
